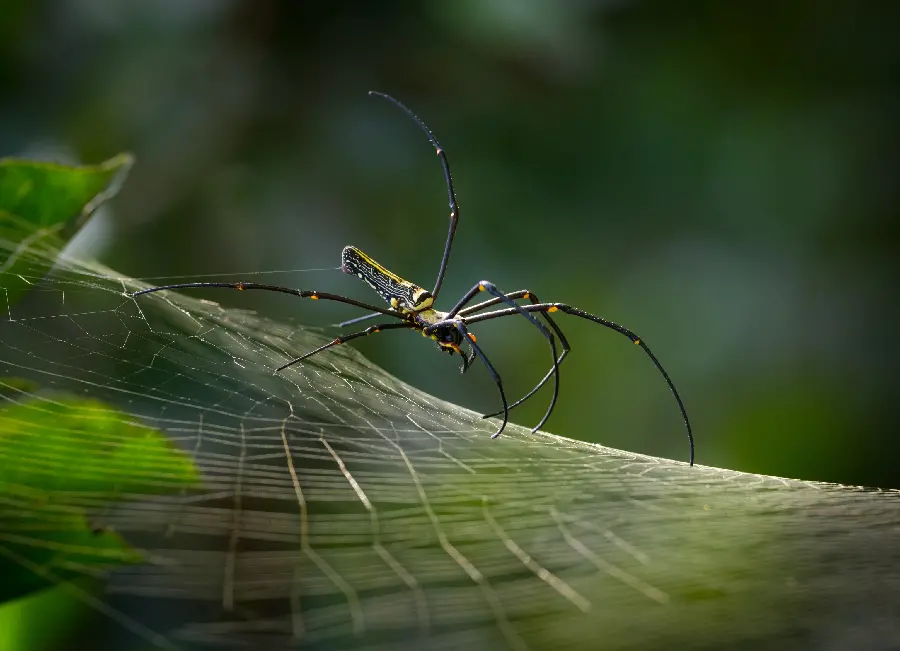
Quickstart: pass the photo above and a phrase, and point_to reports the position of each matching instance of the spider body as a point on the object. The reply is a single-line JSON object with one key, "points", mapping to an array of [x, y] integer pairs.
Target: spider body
{"points": [[412, 308], [410, 301]]}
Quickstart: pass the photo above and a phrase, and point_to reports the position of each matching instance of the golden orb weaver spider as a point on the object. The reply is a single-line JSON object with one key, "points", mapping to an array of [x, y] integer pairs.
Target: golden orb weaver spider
{"points": [[412, 306]]}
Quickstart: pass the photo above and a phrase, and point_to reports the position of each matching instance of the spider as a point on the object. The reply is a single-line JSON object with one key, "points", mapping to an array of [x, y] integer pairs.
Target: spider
{"points": [[412, 308]]}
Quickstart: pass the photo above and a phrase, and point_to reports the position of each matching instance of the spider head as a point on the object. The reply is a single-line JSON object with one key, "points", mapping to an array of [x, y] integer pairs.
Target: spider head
{"points": [[448, 339]]}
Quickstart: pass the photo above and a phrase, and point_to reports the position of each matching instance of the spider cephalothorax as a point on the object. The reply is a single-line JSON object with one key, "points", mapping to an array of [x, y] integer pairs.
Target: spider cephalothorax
{"points": [[449, 339], [411, 307]]}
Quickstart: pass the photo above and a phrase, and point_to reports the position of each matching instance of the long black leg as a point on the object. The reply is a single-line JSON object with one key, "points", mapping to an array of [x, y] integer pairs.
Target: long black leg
{"points": [[451, 194], [461, 327], [371, 330], [489, 287], [568, 309], [524, 293], [478, 307], [302, 293]]}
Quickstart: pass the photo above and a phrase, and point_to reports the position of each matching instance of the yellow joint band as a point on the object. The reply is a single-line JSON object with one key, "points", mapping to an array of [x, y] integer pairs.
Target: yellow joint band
{"points": [[637, 342], [471, 336], [481, 288], [552, 308], [314, 297]]}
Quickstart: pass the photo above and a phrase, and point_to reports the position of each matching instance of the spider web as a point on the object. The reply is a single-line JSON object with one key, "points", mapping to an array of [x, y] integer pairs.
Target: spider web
{"points": [[341, 508]]}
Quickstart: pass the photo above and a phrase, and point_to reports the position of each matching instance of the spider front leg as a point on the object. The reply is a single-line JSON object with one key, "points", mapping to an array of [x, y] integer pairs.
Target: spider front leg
{"points": [[491, 288], [606, 323], [500, 297], [451, 193], [301, 293], [525, 293], [460, 327]]}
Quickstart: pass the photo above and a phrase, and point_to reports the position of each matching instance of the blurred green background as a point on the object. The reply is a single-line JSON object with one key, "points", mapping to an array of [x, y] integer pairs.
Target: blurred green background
{"points": [[719, 177]]}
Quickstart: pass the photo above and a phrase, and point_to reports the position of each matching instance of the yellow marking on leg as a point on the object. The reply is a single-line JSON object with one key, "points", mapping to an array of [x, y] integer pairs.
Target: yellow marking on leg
{"points": [[526, 295], [471, 336], [637, 342], [481, 288], [314, 297], [552, 308]]}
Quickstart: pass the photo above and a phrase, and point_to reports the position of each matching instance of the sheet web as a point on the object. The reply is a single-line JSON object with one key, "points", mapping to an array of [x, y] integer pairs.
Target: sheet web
{"points": [[338, 507]]}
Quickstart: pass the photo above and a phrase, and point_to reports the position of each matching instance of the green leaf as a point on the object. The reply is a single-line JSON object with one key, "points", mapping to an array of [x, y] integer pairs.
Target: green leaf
{"points": [[43, 619], [73, 444], [49, 194], [42, 205], [60, 454]]}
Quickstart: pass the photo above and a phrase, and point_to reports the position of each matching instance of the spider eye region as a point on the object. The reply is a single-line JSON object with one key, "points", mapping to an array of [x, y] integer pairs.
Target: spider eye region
{"points": [[448, 338]]}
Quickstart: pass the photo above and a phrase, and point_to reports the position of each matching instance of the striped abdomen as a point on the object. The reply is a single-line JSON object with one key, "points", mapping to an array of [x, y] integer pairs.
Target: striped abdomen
{"points": [[401, 294]]}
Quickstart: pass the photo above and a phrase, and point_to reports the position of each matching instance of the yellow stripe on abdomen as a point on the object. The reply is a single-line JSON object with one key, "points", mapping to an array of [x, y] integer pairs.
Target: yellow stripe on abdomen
{"points": [[401, 294]]}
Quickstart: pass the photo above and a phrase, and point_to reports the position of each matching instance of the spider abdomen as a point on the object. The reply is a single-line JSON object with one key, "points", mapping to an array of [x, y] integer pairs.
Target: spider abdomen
{"points": [[402, 295]]}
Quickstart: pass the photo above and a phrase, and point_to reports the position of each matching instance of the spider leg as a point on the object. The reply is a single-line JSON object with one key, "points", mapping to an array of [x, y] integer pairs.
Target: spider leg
{"points": [[486, 286], [302, 293], [451, 195], [478, 307], [460, 325], [524, 293], [359, 319], [491, 288], [574, 311], [371, 330]]}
